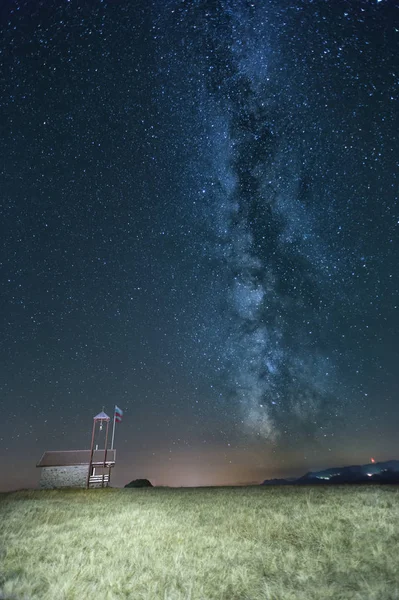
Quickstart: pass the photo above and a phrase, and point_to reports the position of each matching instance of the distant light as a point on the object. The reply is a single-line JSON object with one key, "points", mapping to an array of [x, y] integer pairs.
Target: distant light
{"points": [[372, 460], [369, 474]]}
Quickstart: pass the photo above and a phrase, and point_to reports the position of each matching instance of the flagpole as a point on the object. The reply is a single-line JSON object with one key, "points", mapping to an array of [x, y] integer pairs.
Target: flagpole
{"points": [[113, 430]]}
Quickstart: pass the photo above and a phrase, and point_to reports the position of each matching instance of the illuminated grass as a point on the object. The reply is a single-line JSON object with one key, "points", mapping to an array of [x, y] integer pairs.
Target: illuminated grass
{"points": [[282, 543]]}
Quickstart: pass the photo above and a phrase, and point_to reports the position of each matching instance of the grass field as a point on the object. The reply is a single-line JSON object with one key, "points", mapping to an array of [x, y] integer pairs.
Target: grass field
{"points": [[280, 543]]}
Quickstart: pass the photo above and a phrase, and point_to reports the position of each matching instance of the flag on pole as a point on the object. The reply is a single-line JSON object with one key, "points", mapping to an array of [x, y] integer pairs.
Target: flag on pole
{"points": [[118, 414]]}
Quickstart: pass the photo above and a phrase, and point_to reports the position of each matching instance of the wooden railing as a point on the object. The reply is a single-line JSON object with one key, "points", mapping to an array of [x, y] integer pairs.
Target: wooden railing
{"points": [[99, 479]]}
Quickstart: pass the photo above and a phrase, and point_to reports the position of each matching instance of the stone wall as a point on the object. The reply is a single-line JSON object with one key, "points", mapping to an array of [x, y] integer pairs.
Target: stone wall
{"points": [[56, 477]]}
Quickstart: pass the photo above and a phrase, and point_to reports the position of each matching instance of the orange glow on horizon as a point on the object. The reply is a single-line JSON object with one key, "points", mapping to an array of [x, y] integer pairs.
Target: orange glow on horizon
{"points": [[372, 460]]}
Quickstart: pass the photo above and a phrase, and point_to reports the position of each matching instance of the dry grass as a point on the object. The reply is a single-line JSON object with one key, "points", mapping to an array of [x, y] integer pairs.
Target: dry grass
{"points": [[201, 544]]}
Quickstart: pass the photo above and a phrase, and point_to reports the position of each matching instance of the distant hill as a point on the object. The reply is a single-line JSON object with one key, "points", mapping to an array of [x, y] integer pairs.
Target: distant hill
{"points": [[137, 483], [381, 472]]}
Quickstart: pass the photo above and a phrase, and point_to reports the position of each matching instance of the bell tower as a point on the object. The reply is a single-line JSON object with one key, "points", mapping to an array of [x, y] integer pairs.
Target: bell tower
{"points": [[96, 436]]}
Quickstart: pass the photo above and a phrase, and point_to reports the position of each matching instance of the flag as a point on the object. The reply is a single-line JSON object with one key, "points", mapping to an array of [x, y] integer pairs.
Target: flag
{"points": [[118, 414]]}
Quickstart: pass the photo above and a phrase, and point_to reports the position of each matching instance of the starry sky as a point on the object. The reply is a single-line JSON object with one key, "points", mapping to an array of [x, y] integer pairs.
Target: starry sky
{"points": [[199, 223]]}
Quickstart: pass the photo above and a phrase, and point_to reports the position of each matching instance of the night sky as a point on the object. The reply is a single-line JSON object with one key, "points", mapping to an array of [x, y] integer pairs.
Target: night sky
{"points": [[199, 223]]}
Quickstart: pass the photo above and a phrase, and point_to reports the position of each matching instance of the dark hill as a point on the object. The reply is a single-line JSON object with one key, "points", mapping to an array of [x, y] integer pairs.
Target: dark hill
{"points": [[382, 472], [139, 483]]}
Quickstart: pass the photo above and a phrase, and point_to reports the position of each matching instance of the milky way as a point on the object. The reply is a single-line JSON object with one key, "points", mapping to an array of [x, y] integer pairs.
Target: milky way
{"points": [[265, 235], [264, 149]]}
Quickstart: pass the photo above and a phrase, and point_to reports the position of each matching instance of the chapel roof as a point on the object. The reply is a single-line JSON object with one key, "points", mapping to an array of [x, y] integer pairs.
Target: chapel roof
{"points": [[67, 458]]}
